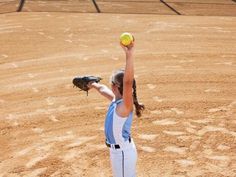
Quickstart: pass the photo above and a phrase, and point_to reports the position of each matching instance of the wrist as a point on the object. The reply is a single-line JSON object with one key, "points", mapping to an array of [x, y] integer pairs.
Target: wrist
{"points": [[91, 85], [129, 55]]}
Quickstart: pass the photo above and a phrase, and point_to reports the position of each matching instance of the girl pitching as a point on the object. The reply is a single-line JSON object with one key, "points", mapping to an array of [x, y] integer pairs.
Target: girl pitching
{"points": [[119, 116]]}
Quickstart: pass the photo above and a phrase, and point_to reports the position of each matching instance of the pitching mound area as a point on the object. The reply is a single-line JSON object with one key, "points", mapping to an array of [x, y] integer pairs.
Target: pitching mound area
{"points": [[185, 68]]}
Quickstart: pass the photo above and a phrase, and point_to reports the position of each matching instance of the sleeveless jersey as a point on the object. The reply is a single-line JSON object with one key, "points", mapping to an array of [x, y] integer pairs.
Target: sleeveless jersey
{"points": [[117, 129]]}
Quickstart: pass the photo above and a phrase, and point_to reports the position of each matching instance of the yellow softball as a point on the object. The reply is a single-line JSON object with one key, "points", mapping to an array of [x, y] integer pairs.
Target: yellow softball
{"points": [[126, 38]]}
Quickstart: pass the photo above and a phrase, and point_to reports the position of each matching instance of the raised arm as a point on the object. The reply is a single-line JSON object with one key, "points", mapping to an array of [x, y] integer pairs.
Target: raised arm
{"points": [[103, 90], [126, 107]]}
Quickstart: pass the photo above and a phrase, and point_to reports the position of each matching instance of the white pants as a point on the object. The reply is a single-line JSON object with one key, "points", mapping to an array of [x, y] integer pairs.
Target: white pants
{"points": [[123, 161]]}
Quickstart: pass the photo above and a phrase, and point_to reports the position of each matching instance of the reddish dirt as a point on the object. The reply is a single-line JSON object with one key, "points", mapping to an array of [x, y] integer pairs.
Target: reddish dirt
{"points": [[185, 68]]}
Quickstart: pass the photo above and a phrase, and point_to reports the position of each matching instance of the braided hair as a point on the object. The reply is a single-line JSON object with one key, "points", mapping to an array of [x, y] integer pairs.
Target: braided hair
{"points": [[117, 79]]}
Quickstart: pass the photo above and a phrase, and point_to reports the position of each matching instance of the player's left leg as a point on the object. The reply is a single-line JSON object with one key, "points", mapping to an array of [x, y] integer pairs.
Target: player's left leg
{"points": [[116, 157], [129, 162]]}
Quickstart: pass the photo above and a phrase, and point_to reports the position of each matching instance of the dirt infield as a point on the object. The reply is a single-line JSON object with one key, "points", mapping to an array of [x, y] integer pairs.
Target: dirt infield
{"points": [[186, 76], [165, 7], [7, 6]]}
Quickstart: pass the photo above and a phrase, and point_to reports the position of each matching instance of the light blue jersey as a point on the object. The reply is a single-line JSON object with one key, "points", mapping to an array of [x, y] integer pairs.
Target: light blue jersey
{"points": [[117, 129]]}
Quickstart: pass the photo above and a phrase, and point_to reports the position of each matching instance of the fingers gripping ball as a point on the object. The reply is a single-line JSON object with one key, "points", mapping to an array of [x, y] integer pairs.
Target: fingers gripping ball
{"points": [[126, 39]]}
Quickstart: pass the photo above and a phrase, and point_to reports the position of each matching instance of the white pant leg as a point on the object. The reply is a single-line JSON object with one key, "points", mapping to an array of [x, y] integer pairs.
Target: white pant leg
{"points": [[123, 162], [130, 160], [116, 163]]}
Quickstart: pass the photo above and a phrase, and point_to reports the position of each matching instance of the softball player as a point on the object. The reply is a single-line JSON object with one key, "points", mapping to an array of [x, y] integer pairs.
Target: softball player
{"points": [[123, 154]]}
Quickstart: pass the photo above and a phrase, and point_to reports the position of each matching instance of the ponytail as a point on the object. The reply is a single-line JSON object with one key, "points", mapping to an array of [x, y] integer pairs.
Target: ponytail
{"points": [[138, 107], [117, 79]]}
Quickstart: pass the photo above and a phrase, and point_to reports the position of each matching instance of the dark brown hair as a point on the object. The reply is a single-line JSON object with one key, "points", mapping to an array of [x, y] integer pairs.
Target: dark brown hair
{"points": [[117, 79]]}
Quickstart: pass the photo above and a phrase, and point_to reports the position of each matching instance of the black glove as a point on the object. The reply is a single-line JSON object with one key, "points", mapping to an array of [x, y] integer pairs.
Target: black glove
{"points": [[83, 81]]}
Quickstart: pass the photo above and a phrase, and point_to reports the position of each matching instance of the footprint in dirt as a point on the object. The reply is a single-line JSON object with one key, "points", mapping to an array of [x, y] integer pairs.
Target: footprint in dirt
{"points": [[185, 162], [213, 110], [35, 90], [147, 136], [36, 172], [50, 101], [206, 129], [156, 112], [176, 149], [30, 75], [100, 108], [173, 67], [57, 138], [223, 147], [227, 63], [177, 111], [5, 56], [35, 160], [101, 128], [41, 33], [14, 65], [164, 122], [68, 40], [148, 149], [53, 118], [79, 141], [212, 90], [186, 61], [157, 99], [173, 133], [11, 117], [202, 121], [218, 157], [151, 86], [195, 145], [38, 130], [2, 101]]}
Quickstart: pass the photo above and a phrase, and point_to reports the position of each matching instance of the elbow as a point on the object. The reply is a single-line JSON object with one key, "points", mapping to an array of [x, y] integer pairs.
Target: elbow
{"points": [[129, 108], [102, 89]]}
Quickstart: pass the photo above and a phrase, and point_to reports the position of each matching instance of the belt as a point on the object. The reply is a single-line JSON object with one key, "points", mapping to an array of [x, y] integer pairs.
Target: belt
{"points": [[115, 146]]}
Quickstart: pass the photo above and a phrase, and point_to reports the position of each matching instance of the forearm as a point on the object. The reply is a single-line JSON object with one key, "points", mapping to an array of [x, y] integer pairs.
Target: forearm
{"points": [[129, 70], [103, 90], [128, 79]]}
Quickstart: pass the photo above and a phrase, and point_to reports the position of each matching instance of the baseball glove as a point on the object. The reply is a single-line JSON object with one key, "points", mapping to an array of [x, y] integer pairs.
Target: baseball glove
{"points": [[83, 81]]}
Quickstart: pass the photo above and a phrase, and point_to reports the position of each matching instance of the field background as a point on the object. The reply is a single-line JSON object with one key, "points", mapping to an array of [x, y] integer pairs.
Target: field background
{"points": [[185, 66]]}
